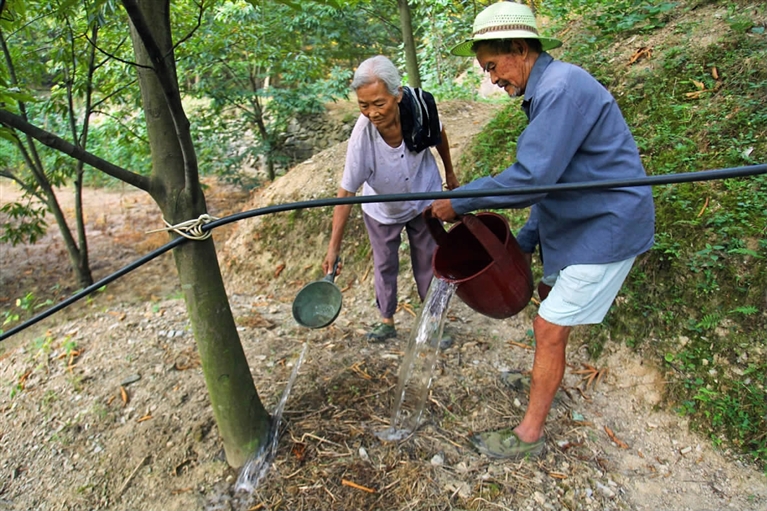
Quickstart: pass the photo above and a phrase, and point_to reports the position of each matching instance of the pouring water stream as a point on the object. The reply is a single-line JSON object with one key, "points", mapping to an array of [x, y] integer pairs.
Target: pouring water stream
{"points": [[417, 370], [258, 465]]}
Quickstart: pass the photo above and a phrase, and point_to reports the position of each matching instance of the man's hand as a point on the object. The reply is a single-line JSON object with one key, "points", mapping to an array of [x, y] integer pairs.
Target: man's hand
{"points": [[528, 258], [443, 210]]}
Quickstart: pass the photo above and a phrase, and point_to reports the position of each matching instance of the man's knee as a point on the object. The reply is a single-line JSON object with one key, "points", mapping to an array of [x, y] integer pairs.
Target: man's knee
{"points": [[549, 334]]}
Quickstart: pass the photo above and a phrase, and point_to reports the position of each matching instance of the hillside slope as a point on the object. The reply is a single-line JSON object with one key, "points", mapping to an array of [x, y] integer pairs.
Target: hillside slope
{"points": [[298, 240]]}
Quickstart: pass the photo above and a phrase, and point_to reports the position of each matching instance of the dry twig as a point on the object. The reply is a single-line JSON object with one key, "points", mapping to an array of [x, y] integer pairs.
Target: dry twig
{"points": [[406, 307], [132, 475], [356, 486], [620, 443], [592, 374], [356, 368], [521, 345], [23, 379], [705, 205]]}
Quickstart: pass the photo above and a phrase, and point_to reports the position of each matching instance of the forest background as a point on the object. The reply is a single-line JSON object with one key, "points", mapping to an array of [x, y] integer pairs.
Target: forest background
{"points": [[695, 305]]}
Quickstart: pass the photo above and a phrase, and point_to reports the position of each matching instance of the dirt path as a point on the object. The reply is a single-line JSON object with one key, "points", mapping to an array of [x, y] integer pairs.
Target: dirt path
{"points": [[104, 406]]}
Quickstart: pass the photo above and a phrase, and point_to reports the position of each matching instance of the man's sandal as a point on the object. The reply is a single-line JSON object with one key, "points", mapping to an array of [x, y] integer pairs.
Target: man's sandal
{"points": [[516, 381], [505, 444]]}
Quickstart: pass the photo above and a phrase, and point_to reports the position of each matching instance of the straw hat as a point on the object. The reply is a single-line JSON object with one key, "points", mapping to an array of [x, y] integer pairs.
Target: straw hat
{"points": [[504, 20]]}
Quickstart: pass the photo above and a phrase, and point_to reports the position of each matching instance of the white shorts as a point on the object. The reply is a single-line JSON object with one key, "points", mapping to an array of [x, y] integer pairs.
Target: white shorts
{"points": [[581, 294]]}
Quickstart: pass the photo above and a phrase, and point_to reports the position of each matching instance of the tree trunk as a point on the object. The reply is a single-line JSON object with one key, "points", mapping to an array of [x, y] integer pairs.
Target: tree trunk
{"points": [[78, 255], [411, 59], [263, 132], [81, 141], [242, 421]]}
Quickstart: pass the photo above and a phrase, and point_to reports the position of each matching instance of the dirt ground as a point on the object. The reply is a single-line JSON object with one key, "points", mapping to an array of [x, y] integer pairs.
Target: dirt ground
{"points": [[104, 405]]}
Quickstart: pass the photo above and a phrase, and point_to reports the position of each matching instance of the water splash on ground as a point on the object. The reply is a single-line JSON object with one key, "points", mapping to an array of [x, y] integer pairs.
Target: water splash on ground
{"points": [[258, 465], [417, 369]]}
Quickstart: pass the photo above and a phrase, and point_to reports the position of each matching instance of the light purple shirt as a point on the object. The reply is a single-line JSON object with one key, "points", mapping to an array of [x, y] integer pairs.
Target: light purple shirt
{"points": [[381, 169]]}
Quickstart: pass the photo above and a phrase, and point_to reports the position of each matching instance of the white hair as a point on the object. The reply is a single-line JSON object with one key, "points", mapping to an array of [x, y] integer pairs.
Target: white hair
{"points": [[375, 69]]}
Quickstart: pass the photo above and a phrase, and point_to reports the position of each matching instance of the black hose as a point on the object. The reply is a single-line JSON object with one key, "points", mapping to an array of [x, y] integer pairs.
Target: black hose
{"points": [[705, 175]]}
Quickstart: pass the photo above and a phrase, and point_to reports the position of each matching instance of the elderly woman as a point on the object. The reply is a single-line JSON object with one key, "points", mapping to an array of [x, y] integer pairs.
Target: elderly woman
{"points": [[389, 153]]}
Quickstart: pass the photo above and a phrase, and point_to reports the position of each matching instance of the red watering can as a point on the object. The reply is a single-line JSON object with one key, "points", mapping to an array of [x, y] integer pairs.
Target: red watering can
{"points": [[481, 256]]}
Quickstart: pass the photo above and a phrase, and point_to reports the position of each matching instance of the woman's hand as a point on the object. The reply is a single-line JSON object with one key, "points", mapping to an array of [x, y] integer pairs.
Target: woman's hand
{"points": [[330, 260], [451, 182]]}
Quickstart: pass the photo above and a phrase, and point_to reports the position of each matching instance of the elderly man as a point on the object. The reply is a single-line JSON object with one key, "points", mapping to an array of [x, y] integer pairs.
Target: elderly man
{"points": [[588, 239], [389, 153]]}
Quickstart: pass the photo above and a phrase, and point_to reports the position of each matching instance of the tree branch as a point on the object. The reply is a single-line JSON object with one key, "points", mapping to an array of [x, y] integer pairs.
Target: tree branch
{"points": [[29, 190], [109, 56], [122, 124], [70, 80], [55, 142], [103, 100], [112, 56], [167, 78], [200, 12], [32, 157]]}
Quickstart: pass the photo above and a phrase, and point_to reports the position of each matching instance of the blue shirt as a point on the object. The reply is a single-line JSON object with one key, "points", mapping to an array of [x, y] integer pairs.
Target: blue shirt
{"points": [[576, 133]]}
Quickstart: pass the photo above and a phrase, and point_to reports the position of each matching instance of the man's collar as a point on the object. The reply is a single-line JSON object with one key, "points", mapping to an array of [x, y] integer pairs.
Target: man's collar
{"points": [[541, 63]]}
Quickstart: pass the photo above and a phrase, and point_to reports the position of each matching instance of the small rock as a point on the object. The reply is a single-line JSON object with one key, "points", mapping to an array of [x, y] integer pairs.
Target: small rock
{"points": [[133, 378], [568, 499], [437, 460], [462, 489], [364, 454], [604, 490]]}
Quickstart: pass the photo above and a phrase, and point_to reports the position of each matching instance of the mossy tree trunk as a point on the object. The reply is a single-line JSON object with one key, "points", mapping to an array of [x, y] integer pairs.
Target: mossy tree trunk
{"points": [[242, 421]]}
